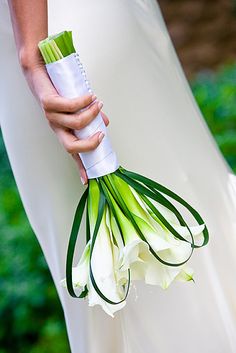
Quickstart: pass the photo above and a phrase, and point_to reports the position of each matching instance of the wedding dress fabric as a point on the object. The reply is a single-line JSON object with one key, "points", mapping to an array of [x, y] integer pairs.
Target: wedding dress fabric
{"points": [[156, 129]]}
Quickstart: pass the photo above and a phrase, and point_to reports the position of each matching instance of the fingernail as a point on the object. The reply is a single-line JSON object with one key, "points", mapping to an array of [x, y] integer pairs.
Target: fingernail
{"points": [[100, 137], [93, 97], [100, 105], [82, 180]]}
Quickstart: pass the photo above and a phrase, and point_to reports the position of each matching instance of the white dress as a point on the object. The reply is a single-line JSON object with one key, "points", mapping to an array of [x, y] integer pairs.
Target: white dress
{"points": [[157, 130]]}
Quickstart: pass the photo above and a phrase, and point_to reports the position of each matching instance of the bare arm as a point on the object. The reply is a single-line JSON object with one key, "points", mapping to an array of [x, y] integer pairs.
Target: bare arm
{"points": [[30, 25]]}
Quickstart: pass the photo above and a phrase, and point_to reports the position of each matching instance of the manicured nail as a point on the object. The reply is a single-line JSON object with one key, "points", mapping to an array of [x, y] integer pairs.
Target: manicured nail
{"points": [[100, 105], [93, 97], [82, 180], [100, 137]]}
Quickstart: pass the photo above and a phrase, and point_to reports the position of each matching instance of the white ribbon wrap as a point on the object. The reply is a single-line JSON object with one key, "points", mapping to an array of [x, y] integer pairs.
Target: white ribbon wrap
{"points": [[69, 79]]}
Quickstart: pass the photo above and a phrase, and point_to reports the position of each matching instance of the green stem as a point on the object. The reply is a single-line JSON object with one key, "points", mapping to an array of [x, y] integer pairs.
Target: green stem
{"points": [[55, 47]]}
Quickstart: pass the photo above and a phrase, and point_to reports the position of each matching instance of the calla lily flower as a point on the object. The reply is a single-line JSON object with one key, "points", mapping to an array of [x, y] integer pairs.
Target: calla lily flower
{"points": [[135, 252], [103, 260], [80, 272], [157, 273], [133, 244]]}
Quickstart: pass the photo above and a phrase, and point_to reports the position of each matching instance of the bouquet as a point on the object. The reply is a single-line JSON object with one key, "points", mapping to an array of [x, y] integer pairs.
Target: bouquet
{"points": [[134, 230]]}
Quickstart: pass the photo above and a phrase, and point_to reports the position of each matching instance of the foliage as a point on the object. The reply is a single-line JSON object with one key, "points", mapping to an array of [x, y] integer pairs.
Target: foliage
{"points": [[31, 316], [215, 93]]}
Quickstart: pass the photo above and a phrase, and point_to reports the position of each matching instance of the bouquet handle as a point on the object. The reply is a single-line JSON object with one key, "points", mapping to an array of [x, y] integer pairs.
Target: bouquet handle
{"points": [[69, 79]]}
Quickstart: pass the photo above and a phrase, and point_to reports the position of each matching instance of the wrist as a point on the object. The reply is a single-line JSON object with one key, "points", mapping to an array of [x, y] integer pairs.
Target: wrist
{"points": [[34, 73]]}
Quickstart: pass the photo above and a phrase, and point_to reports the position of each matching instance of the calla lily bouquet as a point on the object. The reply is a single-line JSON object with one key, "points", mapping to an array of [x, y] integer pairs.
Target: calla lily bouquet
{"points": [[134, 230]]}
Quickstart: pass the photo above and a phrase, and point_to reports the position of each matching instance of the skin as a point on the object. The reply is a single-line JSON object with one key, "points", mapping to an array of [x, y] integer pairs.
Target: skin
{"points": [[62, 113]]}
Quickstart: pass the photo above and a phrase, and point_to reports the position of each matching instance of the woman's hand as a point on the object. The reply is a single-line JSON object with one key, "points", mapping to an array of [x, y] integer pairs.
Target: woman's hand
{"points": [[83, 175], [64, 115]]}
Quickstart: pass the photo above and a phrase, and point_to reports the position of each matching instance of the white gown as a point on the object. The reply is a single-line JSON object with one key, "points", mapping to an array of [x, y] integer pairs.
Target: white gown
{"points": [[157, 130]]}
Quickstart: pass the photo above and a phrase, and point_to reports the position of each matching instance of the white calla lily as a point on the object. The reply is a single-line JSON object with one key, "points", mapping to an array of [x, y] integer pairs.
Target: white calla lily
{"points": [[156, 236], [81, 270], [168, 247], [160, 274], [132, 245], [186, 274], [103, 261], [197, 232], [157, 273], [104, 273]]}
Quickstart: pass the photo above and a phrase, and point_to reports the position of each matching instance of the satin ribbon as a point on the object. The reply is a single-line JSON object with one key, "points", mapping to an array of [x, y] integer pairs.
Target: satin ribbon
{"points": [[69, 79]]}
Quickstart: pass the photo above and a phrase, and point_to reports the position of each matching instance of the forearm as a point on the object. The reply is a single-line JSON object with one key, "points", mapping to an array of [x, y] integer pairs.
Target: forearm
{"points": [[30, 25]]}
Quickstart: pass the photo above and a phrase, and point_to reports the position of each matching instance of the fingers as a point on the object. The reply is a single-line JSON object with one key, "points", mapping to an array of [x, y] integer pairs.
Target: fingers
{"points": [[57, 103], [65, 115], [75, 113], [83, 174], [105, 118], [73, 145], [77, 121]]}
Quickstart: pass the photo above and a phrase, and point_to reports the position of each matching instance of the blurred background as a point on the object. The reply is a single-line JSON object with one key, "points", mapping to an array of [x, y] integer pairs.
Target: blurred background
{"points": [[31, 317]]}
